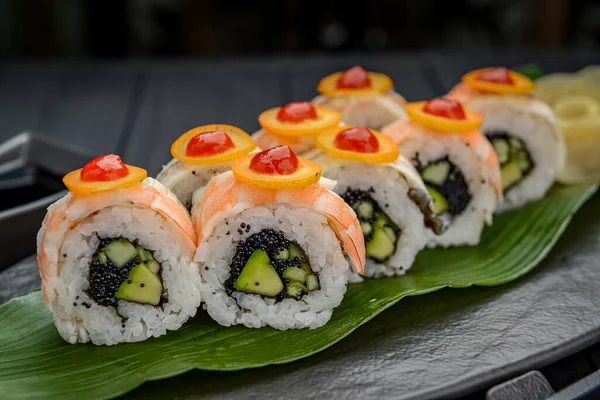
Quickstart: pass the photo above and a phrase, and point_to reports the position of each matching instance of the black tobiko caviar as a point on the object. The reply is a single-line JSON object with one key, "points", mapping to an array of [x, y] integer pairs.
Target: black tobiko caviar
{"points": [[106, 278], [272, 242]]}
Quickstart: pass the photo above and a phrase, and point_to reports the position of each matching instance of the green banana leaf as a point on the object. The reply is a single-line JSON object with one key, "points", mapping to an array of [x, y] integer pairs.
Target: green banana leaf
{"points": [[532, 70], [35, 363]]}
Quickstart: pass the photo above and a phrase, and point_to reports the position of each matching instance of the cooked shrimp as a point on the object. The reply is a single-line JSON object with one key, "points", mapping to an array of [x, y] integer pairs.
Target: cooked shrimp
{"points": [[463, 93], [403, 130], [67, 212], [524, 118], [224, 197], [184, 178]]}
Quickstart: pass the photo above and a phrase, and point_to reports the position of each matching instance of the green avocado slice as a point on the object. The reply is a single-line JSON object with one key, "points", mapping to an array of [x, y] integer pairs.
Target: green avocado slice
{"points": [[258, 276], [141, 286]]}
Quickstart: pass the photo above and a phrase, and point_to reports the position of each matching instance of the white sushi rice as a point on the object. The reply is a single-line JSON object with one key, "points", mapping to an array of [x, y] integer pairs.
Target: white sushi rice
{"points": [[101, 324], [184, 179], [370, 110], [391, 193], [531, 121], [465, 228], [311, 231]]}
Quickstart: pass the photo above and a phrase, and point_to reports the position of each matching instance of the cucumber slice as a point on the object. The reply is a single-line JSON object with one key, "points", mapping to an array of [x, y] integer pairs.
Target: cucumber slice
{"points": [[295, 252], [391, 234], [366, 229], [145, 255], [524, 161], [436, 172], [147, 258], [312, 282], [295, 274], [306, 267], [511, 174], [380, 221], [295, 289], [258, 276], [440, 204], [120, 252], [153, 266], [502, 150], [515, 143], [364, 210], [283, 255], [380, 247], [141, 286], [102, 258]]}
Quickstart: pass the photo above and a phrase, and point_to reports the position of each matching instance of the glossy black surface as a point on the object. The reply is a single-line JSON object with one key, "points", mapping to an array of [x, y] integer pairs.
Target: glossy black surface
{"points": [[36, 184], [31, 170], [451, 343]]}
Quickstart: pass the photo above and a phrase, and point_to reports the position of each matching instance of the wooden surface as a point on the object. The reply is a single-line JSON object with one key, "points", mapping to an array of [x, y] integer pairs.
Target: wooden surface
{"points": [[137, 108]]}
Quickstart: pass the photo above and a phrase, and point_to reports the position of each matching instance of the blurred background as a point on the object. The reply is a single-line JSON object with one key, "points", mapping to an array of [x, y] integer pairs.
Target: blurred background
{"points": [[204, 28]]}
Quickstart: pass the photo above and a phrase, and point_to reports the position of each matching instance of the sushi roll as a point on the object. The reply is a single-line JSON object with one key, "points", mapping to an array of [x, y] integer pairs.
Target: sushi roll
{"points": [[521, 128], [201, 153], [116, 256], [386, 192], [273, 239], [362, 97], [295, 124], [457, 164]]}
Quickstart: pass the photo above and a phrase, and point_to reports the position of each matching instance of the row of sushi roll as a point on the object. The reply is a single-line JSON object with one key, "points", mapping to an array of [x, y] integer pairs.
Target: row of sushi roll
{"points": [[355, 183]]}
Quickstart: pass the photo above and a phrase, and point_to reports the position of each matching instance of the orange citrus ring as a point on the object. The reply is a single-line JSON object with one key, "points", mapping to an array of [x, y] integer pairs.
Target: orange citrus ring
{"points": [[78, 187], [521, 83], [243, 144], [416, 113], [308, 172], [388, 149], [326, 119], [380, 83]]}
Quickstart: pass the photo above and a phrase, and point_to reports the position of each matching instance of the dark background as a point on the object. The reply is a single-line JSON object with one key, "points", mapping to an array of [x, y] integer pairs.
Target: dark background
{"points": [[203, 28]]}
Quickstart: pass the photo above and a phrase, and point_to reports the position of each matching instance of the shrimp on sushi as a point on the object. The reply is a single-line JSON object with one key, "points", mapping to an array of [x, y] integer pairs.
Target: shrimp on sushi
{"points": [[115, 256], [521, 128], [201, 153], [272, 239], [295, 124], [386, 192], [457, 163], [362, 97]]}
